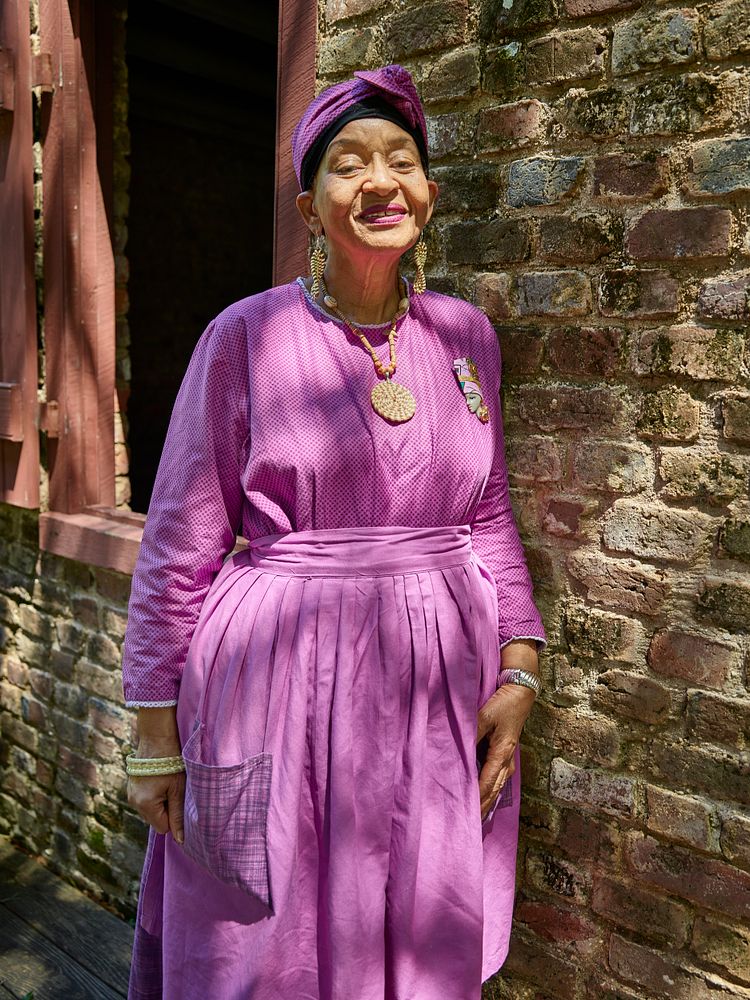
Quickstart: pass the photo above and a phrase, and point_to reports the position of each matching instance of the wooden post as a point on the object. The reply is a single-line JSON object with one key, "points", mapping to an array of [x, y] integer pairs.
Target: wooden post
{"points": [[19, 439], [78, 263]]}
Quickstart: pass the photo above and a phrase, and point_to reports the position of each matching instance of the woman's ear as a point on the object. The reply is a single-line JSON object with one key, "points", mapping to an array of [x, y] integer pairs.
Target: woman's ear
{"points": [[305, 202], [433, 190]]}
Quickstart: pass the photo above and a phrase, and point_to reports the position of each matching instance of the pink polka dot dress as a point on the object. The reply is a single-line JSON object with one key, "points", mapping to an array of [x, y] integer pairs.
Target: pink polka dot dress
{"points": [[327, 677]]}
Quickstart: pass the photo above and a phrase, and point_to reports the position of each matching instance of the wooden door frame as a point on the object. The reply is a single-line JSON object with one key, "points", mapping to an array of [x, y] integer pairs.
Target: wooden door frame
{"points": [[82, 522]]}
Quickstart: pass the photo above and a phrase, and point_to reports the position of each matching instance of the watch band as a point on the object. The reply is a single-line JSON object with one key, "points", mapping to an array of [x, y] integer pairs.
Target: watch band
{"points": [[518, 676]]}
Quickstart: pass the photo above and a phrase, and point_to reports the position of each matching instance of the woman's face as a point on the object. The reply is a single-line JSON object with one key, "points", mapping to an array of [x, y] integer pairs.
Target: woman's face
{"points": [[370, 194]]}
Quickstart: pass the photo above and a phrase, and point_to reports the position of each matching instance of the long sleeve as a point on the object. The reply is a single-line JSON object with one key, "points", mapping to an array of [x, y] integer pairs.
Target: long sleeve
{"points": [[194, 516], [495, 534]]}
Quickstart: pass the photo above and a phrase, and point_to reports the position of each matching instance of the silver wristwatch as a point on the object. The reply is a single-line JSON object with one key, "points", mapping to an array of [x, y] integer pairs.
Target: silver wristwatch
{"points": [[518, 676]]}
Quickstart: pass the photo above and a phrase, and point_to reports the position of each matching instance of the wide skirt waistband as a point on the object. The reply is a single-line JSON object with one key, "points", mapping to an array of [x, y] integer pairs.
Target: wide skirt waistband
{"points": [[365, 551]]}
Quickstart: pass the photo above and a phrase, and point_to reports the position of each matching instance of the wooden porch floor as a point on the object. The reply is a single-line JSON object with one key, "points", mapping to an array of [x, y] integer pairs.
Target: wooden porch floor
{"points": [[56, 943]]}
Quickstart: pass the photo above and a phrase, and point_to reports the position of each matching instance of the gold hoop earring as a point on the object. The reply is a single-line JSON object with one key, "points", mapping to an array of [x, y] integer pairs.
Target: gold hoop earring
{"points": [[420, 257], [318, 260]]}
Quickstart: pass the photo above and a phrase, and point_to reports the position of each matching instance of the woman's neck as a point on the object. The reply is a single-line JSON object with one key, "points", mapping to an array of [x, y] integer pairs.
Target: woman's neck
{"points": [[368, 293]]}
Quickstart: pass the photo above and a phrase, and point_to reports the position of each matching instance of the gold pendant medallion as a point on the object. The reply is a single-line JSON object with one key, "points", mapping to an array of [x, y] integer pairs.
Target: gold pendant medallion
{"points": [[393, 401]]}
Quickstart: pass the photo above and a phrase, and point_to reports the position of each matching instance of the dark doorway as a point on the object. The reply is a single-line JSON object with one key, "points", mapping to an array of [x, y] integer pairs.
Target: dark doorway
{"points": [[202, 118]]}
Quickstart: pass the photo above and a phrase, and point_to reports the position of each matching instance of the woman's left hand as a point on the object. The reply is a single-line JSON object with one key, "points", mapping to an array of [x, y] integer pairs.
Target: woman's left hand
{"points": [[502, 717]]}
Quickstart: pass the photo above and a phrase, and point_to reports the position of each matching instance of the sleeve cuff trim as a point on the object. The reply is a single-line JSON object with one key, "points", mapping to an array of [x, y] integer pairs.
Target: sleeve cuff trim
{"points": [[150, 704]]}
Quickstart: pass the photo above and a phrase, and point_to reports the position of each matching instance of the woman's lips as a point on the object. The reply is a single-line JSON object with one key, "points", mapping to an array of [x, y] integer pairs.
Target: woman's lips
{"points": [[383, 215]]}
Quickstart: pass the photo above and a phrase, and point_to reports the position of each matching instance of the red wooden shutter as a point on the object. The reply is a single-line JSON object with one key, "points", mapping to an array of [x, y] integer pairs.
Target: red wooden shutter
{"points": [[19, 439], [79, 314], [298, 25]]}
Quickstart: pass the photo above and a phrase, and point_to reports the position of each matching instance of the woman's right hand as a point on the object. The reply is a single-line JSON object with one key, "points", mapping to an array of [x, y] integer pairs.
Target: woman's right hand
{"points": [[159, 798]]}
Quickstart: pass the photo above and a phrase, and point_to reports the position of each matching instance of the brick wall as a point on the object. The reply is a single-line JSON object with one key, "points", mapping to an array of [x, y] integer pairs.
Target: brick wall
{"points": [[63, 727], [595, 180]]}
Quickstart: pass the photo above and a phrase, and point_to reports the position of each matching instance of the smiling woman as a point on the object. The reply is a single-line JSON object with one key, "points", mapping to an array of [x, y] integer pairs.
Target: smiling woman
{"points": [[329, 720]]}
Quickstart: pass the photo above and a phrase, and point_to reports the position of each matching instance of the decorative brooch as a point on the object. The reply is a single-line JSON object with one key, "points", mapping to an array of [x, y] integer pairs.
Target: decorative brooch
{"points": [[468, 378]]}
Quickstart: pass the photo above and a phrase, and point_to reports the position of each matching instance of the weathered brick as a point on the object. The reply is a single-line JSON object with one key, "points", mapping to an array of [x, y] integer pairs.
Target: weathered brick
{"points": [[535, 459], [705, 881], [639, 294], [589, 8], [690, 350], [521, 350], [689, 473], [591, 789], [70, 635], [734, 539], [425, 27], [735, 838], [564, 518], [632, 695], [691, 658], [654, 531], [40, 683], [613, 467], [543, 180], [97, 680], [447, 134], [555, 922], [498, 241], [727, 947], [33, 712], [31, 652], [587, 738], [627, 905], [86, 611], [17, 731], [61, 664], [671, 234], [36, 623], [678, 818], [102, 650], [112, 585], [679, 105], [569, 240], [669, 415], [588, 838], [735, 411], [509, 126], [15, 671], [713, 718], [538, 819], [554, 293], [348, 50], [553, 407], [338, 10], [577, 350], [452, 76], [546, 969], [549, 873], [599, 634], [630, 178], [727, 29], [718, 773], [725, 298], [599, 113], [492, 295], [115, 621], [654, 39], [472, 189], [504, 69], [498, 18], [623, 584], [719, 166], [570, 55], [72, 790], [108, 718], [648, 968], [79, 766]]}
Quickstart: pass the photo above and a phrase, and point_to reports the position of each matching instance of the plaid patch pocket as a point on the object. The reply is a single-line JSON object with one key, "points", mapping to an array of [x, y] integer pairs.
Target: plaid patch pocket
{"points": [[225, 818]]}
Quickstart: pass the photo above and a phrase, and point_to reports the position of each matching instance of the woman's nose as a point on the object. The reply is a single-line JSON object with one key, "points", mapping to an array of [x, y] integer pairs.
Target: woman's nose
{"points": [[379, 176]]}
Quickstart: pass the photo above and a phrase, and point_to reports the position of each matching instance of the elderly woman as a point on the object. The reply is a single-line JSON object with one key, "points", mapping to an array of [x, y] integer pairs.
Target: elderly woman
{"points": [[329, 719]]}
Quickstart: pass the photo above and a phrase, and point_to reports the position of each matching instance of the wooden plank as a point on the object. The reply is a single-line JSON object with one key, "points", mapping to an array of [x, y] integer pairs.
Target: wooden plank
{"points": [[19, 455], [89, 538], [90, 935], [296, 87], [11, 411], [78, 262], [32, 963]]}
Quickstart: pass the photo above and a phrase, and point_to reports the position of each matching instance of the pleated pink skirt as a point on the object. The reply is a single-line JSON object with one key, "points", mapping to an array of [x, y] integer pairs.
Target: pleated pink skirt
{"points": [[334, 848]]}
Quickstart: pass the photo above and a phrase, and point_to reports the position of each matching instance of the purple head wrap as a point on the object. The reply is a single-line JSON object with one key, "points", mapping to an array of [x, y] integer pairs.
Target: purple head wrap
{"points": [[391, 87]]}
